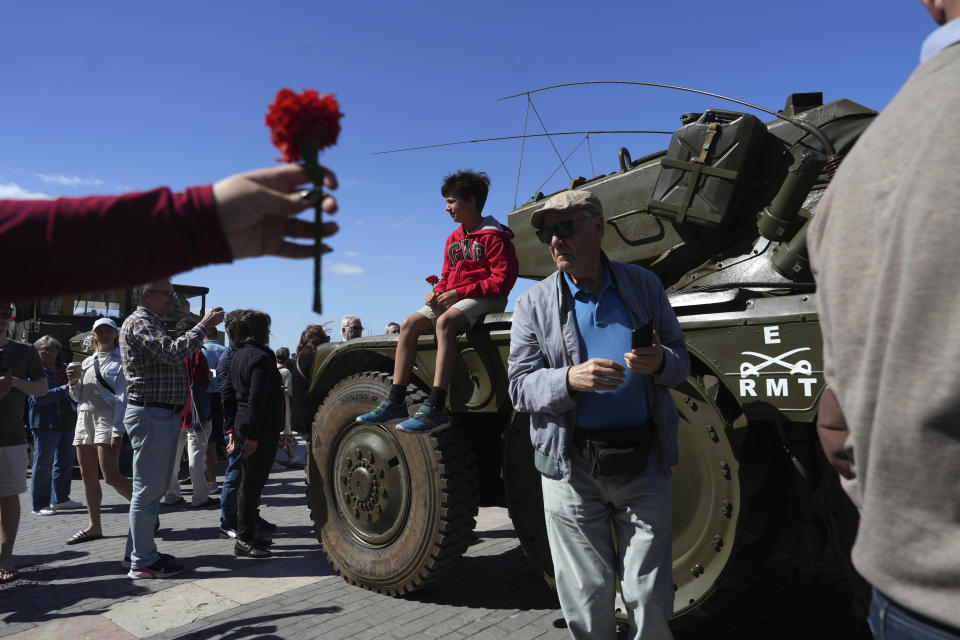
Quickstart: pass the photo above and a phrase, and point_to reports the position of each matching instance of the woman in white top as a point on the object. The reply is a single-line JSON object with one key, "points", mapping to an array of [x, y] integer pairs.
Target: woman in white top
{"points": [[99, 387]]}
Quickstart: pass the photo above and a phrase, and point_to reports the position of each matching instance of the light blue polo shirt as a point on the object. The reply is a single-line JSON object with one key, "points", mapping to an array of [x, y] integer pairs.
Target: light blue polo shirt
{"points": [[605, 329]]}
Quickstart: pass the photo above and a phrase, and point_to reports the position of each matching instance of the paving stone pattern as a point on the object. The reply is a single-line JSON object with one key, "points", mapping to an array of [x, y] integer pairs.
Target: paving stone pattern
{"points": [[81, 591]]}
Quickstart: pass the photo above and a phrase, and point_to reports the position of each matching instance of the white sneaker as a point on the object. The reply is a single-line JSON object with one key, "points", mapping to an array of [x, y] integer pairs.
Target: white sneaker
{"points": [[66, 504], [46, 511]]}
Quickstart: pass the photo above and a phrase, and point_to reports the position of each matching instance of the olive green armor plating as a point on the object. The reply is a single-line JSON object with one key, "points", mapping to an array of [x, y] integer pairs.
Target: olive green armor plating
{"points": [[720, 217]]}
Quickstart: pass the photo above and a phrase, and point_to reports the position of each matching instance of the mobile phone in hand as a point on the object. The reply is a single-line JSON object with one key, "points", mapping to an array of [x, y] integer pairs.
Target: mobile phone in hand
{"points": [[642, 336]]}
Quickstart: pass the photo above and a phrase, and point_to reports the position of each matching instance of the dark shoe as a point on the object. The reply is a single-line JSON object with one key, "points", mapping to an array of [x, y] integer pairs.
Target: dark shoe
{"points": [[210, 502], [226, 532], [126, 564], [83, 536], [250, 550], [162, 568], [263, 525], [179, 500]]}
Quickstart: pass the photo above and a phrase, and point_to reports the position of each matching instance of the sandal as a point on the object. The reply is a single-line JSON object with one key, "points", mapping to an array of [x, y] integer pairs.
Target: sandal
{"points": [[8, 575], [83, 536]]}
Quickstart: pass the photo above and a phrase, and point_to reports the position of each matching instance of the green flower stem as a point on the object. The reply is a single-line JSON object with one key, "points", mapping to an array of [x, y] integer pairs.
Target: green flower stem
{"points": [[309, 151]]}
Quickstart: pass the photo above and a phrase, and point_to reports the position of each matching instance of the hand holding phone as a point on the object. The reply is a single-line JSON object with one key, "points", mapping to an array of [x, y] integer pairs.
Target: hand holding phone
{"points": [[642, 336]]}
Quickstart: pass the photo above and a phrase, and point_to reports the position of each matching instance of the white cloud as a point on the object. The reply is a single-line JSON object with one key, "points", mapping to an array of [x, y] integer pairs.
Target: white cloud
{"points": [[344, 268], [16, 192], [352, 254], [70, 181]]}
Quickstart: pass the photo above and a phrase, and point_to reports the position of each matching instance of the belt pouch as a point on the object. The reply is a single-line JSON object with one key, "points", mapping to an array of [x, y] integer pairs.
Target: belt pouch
{"points": [[619, 453]]}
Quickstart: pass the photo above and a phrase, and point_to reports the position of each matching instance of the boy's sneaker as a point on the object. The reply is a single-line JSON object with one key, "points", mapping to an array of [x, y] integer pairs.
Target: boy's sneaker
{"points": [[426, 420], [126, 564], [162, 568], [385, 412], [46, 511]]}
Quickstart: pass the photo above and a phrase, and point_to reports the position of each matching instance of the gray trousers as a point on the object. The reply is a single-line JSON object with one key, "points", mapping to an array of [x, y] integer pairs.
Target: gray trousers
{"points": [[581, 516]]}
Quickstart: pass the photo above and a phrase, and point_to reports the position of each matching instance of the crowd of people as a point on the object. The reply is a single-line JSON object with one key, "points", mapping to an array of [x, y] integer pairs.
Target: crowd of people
{"points": [[165, 394]]}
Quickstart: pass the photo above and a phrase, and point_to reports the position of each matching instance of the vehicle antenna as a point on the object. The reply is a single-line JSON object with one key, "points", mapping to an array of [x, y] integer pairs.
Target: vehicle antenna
{"points": [[529, 135], [828, 147]]}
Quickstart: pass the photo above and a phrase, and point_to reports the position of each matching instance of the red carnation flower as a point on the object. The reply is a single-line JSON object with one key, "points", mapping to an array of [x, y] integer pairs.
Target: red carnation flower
{"points": [[300, 121], [432, 280]]}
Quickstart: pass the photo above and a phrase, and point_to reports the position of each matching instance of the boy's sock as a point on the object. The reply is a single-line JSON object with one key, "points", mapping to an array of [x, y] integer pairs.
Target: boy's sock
{"points": [[397, 393], [437, 397]]}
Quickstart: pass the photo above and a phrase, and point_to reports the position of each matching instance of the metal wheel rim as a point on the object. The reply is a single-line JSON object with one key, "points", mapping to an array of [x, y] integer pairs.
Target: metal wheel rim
{"points": [[371, 484]]}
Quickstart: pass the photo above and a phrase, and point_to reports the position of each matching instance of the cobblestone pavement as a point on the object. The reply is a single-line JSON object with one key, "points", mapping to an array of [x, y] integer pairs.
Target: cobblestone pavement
{"points": [[80, 591]]}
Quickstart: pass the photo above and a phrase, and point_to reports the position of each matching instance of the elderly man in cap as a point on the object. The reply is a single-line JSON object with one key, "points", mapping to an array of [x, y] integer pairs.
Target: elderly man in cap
{"points": [[157, 388], [594, 348]]}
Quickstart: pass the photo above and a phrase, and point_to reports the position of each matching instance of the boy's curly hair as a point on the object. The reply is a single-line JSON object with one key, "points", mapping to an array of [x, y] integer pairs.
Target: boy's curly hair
{"points": [[465, 184]]}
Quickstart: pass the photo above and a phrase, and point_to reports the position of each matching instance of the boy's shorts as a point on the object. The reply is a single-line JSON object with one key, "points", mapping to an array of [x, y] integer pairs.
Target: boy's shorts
{"points": [[472, 308], [13, 470]]}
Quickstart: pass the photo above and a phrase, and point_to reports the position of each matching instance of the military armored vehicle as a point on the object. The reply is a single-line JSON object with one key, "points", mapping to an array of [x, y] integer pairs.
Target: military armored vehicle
{"points": [[720, 217]]}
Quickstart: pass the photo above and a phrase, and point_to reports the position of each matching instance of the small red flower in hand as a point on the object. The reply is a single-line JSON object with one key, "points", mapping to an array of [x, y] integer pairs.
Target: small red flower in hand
{"points": [[432, 281], [302, 125], [299, 119]]}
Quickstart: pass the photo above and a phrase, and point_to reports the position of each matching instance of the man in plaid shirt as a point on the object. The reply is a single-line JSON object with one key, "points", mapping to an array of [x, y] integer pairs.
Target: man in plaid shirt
{"points": [[153, 364]]}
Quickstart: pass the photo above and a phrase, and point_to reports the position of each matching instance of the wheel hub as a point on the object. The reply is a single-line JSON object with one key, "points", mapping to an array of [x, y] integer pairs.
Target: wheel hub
{"points": [[372, 483]]}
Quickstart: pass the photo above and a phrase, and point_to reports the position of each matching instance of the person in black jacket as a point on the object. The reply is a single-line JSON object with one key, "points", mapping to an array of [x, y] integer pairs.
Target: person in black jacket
{"points": [[304, 403], [259, 419]]}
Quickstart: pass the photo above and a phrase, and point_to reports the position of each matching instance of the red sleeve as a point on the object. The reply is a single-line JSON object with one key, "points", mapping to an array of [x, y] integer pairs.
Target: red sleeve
{"points": [[71, 245], [503, 270], [442, 285]]}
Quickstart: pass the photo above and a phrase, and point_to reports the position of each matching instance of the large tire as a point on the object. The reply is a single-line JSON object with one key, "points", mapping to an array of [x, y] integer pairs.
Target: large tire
{"points": [[722, 498], [392, 510]]}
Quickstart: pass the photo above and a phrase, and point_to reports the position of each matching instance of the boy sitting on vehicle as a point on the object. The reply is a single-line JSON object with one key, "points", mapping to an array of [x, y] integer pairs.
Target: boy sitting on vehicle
{"points": [[479, 270]]}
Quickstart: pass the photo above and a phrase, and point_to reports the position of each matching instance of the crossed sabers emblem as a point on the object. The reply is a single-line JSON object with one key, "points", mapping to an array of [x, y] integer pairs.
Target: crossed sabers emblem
{"points": [[800, 367]]}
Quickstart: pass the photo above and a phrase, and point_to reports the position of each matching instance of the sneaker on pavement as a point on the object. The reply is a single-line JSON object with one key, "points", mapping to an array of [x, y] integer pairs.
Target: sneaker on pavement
{"points": [[46, 511], [227, 532], [126, 564], [162, 568], [66, 504], [385, 412], [426, 420]]}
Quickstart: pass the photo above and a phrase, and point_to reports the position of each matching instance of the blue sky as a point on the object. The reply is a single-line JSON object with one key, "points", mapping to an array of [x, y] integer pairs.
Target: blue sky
{"points": [[112, 96]]}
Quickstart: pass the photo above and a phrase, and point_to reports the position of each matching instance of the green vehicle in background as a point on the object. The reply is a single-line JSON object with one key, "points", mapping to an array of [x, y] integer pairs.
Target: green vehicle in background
{"points": [[720, 216], [69, 318]]}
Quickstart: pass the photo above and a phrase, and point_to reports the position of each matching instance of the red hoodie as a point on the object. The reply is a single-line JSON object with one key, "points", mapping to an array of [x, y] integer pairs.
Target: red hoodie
{"points": [[479, 264]]}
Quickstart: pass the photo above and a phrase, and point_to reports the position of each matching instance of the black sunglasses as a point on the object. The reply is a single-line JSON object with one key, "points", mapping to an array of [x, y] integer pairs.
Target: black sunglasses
{"points": [[562, 230]]}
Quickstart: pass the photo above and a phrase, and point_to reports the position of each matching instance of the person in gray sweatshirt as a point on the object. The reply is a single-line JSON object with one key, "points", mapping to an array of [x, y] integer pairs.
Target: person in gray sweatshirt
{"points": [[883, 246]]}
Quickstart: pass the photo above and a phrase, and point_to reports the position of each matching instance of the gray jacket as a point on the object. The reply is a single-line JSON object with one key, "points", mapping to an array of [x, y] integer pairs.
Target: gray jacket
{"points": [[544, 343]]}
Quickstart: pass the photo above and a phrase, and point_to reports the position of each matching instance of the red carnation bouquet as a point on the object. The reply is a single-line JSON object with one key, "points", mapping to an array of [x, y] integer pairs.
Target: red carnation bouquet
{"points": [[432, 281], [301, 126]]}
